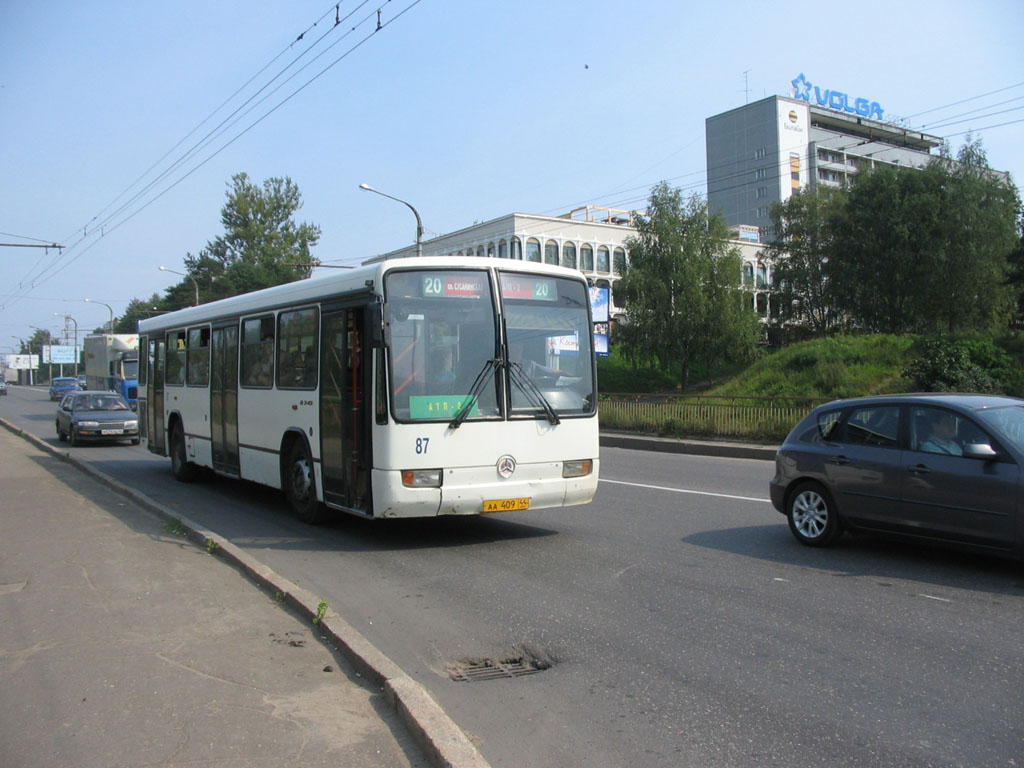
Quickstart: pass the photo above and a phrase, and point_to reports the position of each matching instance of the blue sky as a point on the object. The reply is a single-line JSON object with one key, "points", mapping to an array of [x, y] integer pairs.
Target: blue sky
{"points": [[468, 110]]}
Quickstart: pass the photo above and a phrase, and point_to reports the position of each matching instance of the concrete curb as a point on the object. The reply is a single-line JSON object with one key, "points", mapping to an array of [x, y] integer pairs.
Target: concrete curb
{"points": [[443, 742], [691, 447]]}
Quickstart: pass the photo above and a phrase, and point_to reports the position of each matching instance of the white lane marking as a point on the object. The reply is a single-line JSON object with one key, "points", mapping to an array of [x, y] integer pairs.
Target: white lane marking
{"points": [[933, 597], [683, 490]]}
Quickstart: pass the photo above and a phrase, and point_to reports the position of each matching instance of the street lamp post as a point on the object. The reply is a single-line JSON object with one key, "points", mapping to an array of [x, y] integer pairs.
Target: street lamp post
{"points": [[194, 283], [69, 317], [109, 308], [419, 221]]}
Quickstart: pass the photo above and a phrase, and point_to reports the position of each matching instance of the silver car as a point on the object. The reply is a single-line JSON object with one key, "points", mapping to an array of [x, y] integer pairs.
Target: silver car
{"points": [[937, 467]]}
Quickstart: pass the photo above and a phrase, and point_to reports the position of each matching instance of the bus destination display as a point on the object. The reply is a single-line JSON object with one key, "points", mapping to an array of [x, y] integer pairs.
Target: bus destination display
{"points": [[528, 287], [458, 286]]}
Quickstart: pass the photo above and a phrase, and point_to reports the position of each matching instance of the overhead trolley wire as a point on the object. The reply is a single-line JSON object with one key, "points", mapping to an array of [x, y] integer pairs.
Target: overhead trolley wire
{"points": [[378, 24]]}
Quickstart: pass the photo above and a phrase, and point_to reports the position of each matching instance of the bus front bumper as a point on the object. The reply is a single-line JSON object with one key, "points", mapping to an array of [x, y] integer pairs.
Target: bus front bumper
{"points": [[478, 490]]}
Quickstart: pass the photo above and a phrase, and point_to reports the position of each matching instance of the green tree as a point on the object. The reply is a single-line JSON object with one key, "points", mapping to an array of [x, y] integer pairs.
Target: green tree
{"points": [[138, 309], [927, 250], [1015, 278], [887, 244], [969, 288], [801, 255], [681, 288], [261, 246]]}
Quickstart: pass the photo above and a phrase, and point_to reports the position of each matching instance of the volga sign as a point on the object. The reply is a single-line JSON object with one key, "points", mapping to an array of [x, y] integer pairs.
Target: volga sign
{"points": [[837, 100]]}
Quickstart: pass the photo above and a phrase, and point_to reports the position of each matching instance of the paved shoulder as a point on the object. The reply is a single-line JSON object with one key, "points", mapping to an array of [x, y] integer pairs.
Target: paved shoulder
{"points": [[123, 643]]}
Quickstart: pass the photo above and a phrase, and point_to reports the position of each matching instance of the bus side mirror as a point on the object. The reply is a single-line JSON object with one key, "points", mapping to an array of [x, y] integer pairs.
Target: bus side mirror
{"points": [[375, 325]]}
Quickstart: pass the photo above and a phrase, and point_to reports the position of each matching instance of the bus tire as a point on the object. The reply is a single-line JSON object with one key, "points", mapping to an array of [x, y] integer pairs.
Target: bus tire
{"points": [[184, 471], [300, 485]]}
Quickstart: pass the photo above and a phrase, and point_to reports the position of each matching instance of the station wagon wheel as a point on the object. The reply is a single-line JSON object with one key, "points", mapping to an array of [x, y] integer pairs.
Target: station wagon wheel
{"points": [[300, 485], [60, 435], [182, 468], [812, 515]]}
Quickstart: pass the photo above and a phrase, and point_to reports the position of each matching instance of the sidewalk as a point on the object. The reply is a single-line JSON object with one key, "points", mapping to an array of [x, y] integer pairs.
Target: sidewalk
{"points": [[125, 643]]}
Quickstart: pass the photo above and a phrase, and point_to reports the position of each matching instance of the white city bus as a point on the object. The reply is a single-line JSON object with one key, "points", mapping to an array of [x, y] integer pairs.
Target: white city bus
{"points": [[405, 388]]}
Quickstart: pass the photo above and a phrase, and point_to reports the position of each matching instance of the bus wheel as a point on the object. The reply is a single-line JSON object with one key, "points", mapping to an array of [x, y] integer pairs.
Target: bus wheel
{"points": [[183, 470], [300, 485]]}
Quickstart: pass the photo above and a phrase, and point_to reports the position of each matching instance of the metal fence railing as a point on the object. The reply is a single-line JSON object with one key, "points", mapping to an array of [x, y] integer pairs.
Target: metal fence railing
{"points": [[758, 418]]}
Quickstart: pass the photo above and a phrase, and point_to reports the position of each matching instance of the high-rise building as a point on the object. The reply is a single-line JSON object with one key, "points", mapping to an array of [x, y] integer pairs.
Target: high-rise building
{"points": [[761, 153]]}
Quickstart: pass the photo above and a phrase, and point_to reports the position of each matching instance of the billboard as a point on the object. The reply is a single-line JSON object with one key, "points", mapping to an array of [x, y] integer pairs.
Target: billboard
{"points": [[22, 362], [600, 299], [60, 354]]}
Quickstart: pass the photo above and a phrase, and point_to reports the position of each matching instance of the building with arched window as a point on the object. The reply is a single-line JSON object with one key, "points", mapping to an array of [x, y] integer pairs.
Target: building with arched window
{"points": [[591, 240]]}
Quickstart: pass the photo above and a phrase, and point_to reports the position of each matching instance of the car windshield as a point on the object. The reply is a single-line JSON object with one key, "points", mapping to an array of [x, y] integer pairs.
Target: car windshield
{"points": [[100, 403], [1009, 422]]}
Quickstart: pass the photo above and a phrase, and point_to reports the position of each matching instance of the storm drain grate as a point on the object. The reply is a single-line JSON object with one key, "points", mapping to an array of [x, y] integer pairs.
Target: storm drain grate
{"points": [[476, 670]]}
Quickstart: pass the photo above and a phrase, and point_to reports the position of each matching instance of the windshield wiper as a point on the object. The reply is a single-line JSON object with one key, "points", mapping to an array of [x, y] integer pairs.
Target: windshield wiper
{"points": [[536, 398], [474, 392]]}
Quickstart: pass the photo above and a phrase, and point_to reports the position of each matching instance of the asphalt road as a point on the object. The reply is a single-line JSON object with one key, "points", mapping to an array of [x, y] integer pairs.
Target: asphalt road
{"points": [[682, 623]]}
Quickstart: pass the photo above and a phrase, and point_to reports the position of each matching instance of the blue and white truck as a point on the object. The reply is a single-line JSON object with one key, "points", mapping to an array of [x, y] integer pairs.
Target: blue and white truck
{"points": [[112, 364]]}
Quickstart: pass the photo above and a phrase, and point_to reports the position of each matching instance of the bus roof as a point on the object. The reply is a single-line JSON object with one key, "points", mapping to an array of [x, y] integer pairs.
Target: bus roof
{"points": [[367, 278]]}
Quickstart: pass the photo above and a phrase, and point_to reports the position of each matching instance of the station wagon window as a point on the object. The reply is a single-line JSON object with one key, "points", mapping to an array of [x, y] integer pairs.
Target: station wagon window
{"points": [[828, 424], [875, 425], [174, 371], [936, 430], [198, 357], [258, 352], [297, 349]]}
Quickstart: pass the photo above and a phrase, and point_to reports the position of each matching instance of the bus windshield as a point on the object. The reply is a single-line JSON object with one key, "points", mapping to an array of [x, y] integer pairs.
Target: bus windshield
{"points": [[443, 334], [550, 349], [445, 357]]}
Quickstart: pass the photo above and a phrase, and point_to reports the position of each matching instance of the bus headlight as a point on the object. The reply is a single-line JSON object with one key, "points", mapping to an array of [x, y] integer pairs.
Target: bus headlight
{"points": [[580, 468], [421, 478]]}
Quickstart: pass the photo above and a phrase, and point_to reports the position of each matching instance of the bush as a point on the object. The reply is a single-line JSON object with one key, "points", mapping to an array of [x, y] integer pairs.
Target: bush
{"points": [[616, 374], [959, 364]]}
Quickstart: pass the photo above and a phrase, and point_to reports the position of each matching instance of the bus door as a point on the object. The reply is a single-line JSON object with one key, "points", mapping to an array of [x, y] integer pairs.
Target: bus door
{"points": [[141, 395], [345, 364], [224, 398], [157, 441]]}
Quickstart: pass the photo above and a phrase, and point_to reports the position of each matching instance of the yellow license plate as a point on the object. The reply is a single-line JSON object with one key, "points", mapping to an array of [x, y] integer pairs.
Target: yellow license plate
{"points": [[506, 505]]}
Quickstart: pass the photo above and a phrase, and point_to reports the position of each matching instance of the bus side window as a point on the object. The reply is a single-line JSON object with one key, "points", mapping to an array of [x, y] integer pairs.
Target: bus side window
{"points": [[174, 372], [258, 352]]}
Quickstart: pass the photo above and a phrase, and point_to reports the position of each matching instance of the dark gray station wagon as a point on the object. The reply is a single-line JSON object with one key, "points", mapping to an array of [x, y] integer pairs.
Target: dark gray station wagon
{"points": [[940, 467]]}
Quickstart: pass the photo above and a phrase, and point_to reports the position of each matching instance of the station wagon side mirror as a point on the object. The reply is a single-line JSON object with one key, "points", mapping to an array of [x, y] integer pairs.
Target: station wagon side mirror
{"points": [[980, 451]]}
